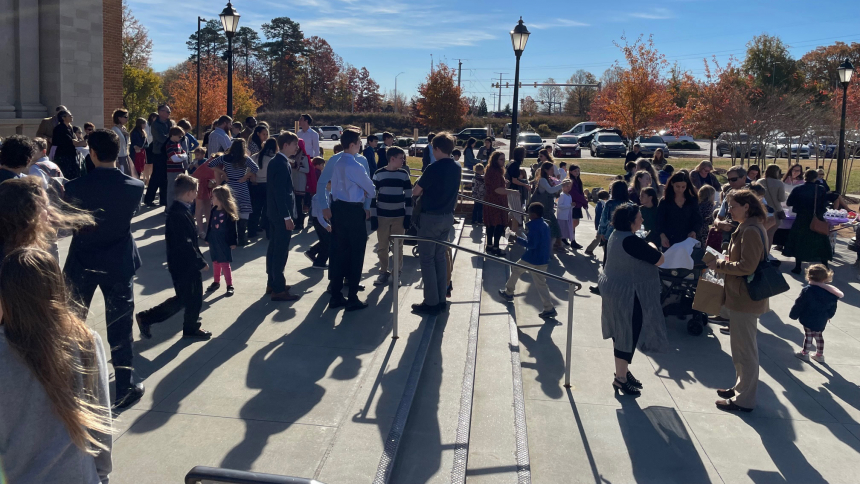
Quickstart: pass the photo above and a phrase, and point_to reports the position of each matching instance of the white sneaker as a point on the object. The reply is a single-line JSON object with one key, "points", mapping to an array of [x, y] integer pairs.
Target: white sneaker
{"points": [[802, 356], [817, 358]]}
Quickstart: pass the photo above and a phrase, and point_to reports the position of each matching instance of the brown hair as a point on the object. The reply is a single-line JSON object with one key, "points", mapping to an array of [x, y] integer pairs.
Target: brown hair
{"points": [[117, 113], [444, 142], [29, 219], [184, 184], [176, 131], [56, 345], [772, 171], [819, 273], [478, 168], [318, 160], [237, 152], [746, 197], [546, 153], [286, 138], [225, 196], [493, 165]]}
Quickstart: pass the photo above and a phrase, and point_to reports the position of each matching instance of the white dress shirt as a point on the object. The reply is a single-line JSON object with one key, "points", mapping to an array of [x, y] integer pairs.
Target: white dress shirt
{"points": [[312, 142], [350, 182]]}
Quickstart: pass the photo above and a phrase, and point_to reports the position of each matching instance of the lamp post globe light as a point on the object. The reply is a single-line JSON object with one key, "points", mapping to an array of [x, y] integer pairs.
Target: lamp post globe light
{"points": [[519, 38], [230, 22], [845, 70]]}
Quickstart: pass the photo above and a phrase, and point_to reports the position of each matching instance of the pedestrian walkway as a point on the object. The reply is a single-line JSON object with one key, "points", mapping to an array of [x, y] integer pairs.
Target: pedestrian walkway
{"points": [[300, 390]]}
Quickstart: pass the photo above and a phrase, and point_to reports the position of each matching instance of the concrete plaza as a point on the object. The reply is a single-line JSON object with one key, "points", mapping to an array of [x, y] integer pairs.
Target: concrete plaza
{"points": [[302, 390]]}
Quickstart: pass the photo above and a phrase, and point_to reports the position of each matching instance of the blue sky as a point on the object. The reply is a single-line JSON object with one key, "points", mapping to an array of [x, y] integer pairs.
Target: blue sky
{"points": [[395, 36]]}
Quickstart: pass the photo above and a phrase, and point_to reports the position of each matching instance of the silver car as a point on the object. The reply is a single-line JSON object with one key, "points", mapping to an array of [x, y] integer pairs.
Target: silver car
{"points": [[649, 144]]}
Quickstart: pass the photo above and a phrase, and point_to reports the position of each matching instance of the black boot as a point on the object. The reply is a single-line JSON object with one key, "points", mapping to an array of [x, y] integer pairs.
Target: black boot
{"points": [[243, 229]]}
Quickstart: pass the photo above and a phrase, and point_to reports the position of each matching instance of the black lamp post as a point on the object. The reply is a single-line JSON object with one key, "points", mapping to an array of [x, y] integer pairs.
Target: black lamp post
{"points": [[846, 70], [199, 21], [230, 22], [519, 37]]}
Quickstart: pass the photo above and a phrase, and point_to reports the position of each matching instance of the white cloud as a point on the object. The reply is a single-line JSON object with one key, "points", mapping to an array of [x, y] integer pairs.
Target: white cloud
{"points": [[654, 14], [561, 22]]}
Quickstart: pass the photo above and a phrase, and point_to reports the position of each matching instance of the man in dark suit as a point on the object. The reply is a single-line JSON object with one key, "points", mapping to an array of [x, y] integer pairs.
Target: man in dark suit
{"points": [[105, 256], [185, 263], [281, 206]]}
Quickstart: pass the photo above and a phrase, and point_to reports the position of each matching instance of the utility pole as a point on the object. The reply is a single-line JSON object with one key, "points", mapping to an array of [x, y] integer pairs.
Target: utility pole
{"points": [[500, 92], [459, 72], [431, 63]]}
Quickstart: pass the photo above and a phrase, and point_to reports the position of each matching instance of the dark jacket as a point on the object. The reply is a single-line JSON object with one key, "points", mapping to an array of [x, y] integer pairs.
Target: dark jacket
{"points": [[698, 181], [113, 199], [280, 199], [370, 154], [633, 156], [815, 306], [183, 253], [677, 222]]}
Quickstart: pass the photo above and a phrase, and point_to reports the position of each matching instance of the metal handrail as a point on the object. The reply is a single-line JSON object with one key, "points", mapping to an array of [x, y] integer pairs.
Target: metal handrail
{"points": [[500, 207], [573, 287], [200, 474]]}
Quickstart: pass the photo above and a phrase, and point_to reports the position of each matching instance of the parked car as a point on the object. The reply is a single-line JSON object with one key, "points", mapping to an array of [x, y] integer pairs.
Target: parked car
{"points": [[782, 146], [507, 132], [827, 147], [532, 142], [728, 143], [477, 133], [649, 144], [417, 149], [607, 143], [675, 138], [566, 147], [318, 130], [585, 139], [582, 128], [331, 132]]}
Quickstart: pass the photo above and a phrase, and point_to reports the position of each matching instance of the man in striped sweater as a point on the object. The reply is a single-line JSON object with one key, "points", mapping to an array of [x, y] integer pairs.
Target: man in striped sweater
{"points": [[391, 209]]}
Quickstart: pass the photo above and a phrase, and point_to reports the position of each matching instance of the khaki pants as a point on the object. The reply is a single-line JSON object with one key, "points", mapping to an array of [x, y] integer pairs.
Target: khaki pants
{"points": [[539, 282], [744, 327], [388, 226]]}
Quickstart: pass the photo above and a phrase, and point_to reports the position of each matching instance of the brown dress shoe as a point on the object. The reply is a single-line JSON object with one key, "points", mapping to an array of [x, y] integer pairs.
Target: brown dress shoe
{"points": [[284, 296]]}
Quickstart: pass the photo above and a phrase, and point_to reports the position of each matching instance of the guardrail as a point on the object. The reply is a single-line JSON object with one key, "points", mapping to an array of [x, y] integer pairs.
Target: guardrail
{"points": [[203, 474], [573, 287]]}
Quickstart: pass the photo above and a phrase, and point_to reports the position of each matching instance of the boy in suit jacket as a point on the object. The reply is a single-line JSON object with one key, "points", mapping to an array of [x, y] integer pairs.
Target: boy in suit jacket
{"points": [[106, 256], [281, 208], [185, 263]]}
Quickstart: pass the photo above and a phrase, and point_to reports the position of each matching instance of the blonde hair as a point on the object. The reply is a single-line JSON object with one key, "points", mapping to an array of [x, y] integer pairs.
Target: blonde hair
{"points": [[479, 168], [819, 273], [706, 193], [54, 343], [225, 197]]}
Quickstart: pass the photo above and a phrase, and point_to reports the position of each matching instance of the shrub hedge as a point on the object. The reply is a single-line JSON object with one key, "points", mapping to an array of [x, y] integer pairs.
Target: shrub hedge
{"points": [[683, 145]]}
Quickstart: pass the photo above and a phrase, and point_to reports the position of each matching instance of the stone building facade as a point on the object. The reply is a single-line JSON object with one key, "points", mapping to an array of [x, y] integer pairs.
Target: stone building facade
{"points": [[56, 52]]}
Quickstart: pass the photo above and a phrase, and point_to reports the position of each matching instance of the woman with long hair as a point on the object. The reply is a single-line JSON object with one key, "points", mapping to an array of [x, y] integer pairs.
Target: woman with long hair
{"points": [[645, 165], [774, 195], [641, 180], [577, 196], [301, 165], [545, 193], [794, 177], [138, 145], [469, 160], [753, 173], [147, 169], [678, 214], [30, 219], [54, 376], [659, 158], [805, 245], [259, 220], [238, 168], [495, 219], [257, 138], [123, 161]]}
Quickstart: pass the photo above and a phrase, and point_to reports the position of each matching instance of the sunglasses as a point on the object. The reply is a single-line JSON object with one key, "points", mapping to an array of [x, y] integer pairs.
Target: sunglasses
{"points": [[733, 179]]}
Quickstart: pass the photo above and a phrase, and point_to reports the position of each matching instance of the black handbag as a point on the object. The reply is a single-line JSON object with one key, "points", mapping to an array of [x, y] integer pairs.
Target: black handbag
{"points": [[767, 281]]}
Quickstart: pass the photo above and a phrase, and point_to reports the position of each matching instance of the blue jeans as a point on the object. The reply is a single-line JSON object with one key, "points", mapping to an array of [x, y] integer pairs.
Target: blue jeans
{"points": [[478, 213]]}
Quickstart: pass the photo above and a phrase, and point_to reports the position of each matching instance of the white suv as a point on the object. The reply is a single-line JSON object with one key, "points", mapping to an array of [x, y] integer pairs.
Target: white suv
{"points": [[331, 132]]}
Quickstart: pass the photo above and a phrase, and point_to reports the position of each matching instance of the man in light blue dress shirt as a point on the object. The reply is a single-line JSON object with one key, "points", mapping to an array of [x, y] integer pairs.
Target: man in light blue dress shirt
{"points": [[351, 193]]}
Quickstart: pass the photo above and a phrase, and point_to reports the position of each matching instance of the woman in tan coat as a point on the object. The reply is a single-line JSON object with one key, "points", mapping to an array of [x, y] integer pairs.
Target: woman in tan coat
{"points": [[746, 249]]}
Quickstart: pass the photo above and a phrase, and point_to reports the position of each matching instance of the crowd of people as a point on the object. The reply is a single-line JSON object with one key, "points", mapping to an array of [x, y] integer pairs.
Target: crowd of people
{"points": [[245, 181]]}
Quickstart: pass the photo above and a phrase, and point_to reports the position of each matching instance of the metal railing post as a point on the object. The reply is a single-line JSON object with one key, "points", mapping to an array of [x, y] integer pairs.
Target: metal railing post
{"points": [[395, 286], [570, 292]]}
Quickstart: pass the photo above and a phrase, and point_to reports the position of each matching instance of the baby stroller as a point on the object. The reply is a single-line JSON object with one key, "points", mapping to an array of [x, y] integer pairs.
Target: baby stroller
{"points": [[679, 290]]}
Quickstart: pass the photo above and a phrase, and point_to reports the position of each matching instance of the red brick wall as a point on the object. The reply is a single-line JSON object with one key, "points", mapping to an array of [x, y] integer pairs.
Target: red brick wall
{"points": [[112, 58]]}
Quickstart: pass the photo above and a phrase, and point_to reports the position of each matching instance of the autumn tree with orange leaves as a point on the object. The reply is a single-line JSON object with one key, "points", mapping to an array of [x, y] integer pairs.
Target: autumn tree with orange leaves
{"points": [[639, 102], [441, 103], [213, 96]]}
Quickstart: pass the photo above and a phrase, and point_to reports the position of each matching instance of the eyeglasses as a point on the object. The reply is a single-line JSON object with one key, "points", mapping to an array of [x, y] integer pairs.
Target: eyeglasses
{"points": [[733, 179]]}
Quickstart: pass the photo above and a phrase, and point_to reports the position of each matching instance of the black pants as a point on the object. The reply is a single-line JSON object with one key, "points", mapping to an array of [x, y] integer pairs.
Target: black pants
{"points": [[276, 256], [349, 239], [494, 235], [637, 329], [320, 250], [189, 295], [300, 210], [119, 315], [158, 181], [258, 220]]}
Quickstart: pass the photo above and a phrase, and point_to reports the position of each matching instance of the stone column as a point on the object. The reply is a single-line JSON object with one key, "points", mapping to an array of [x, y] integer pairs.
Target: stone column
{"points": [[28, 103], [7, 59]]}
